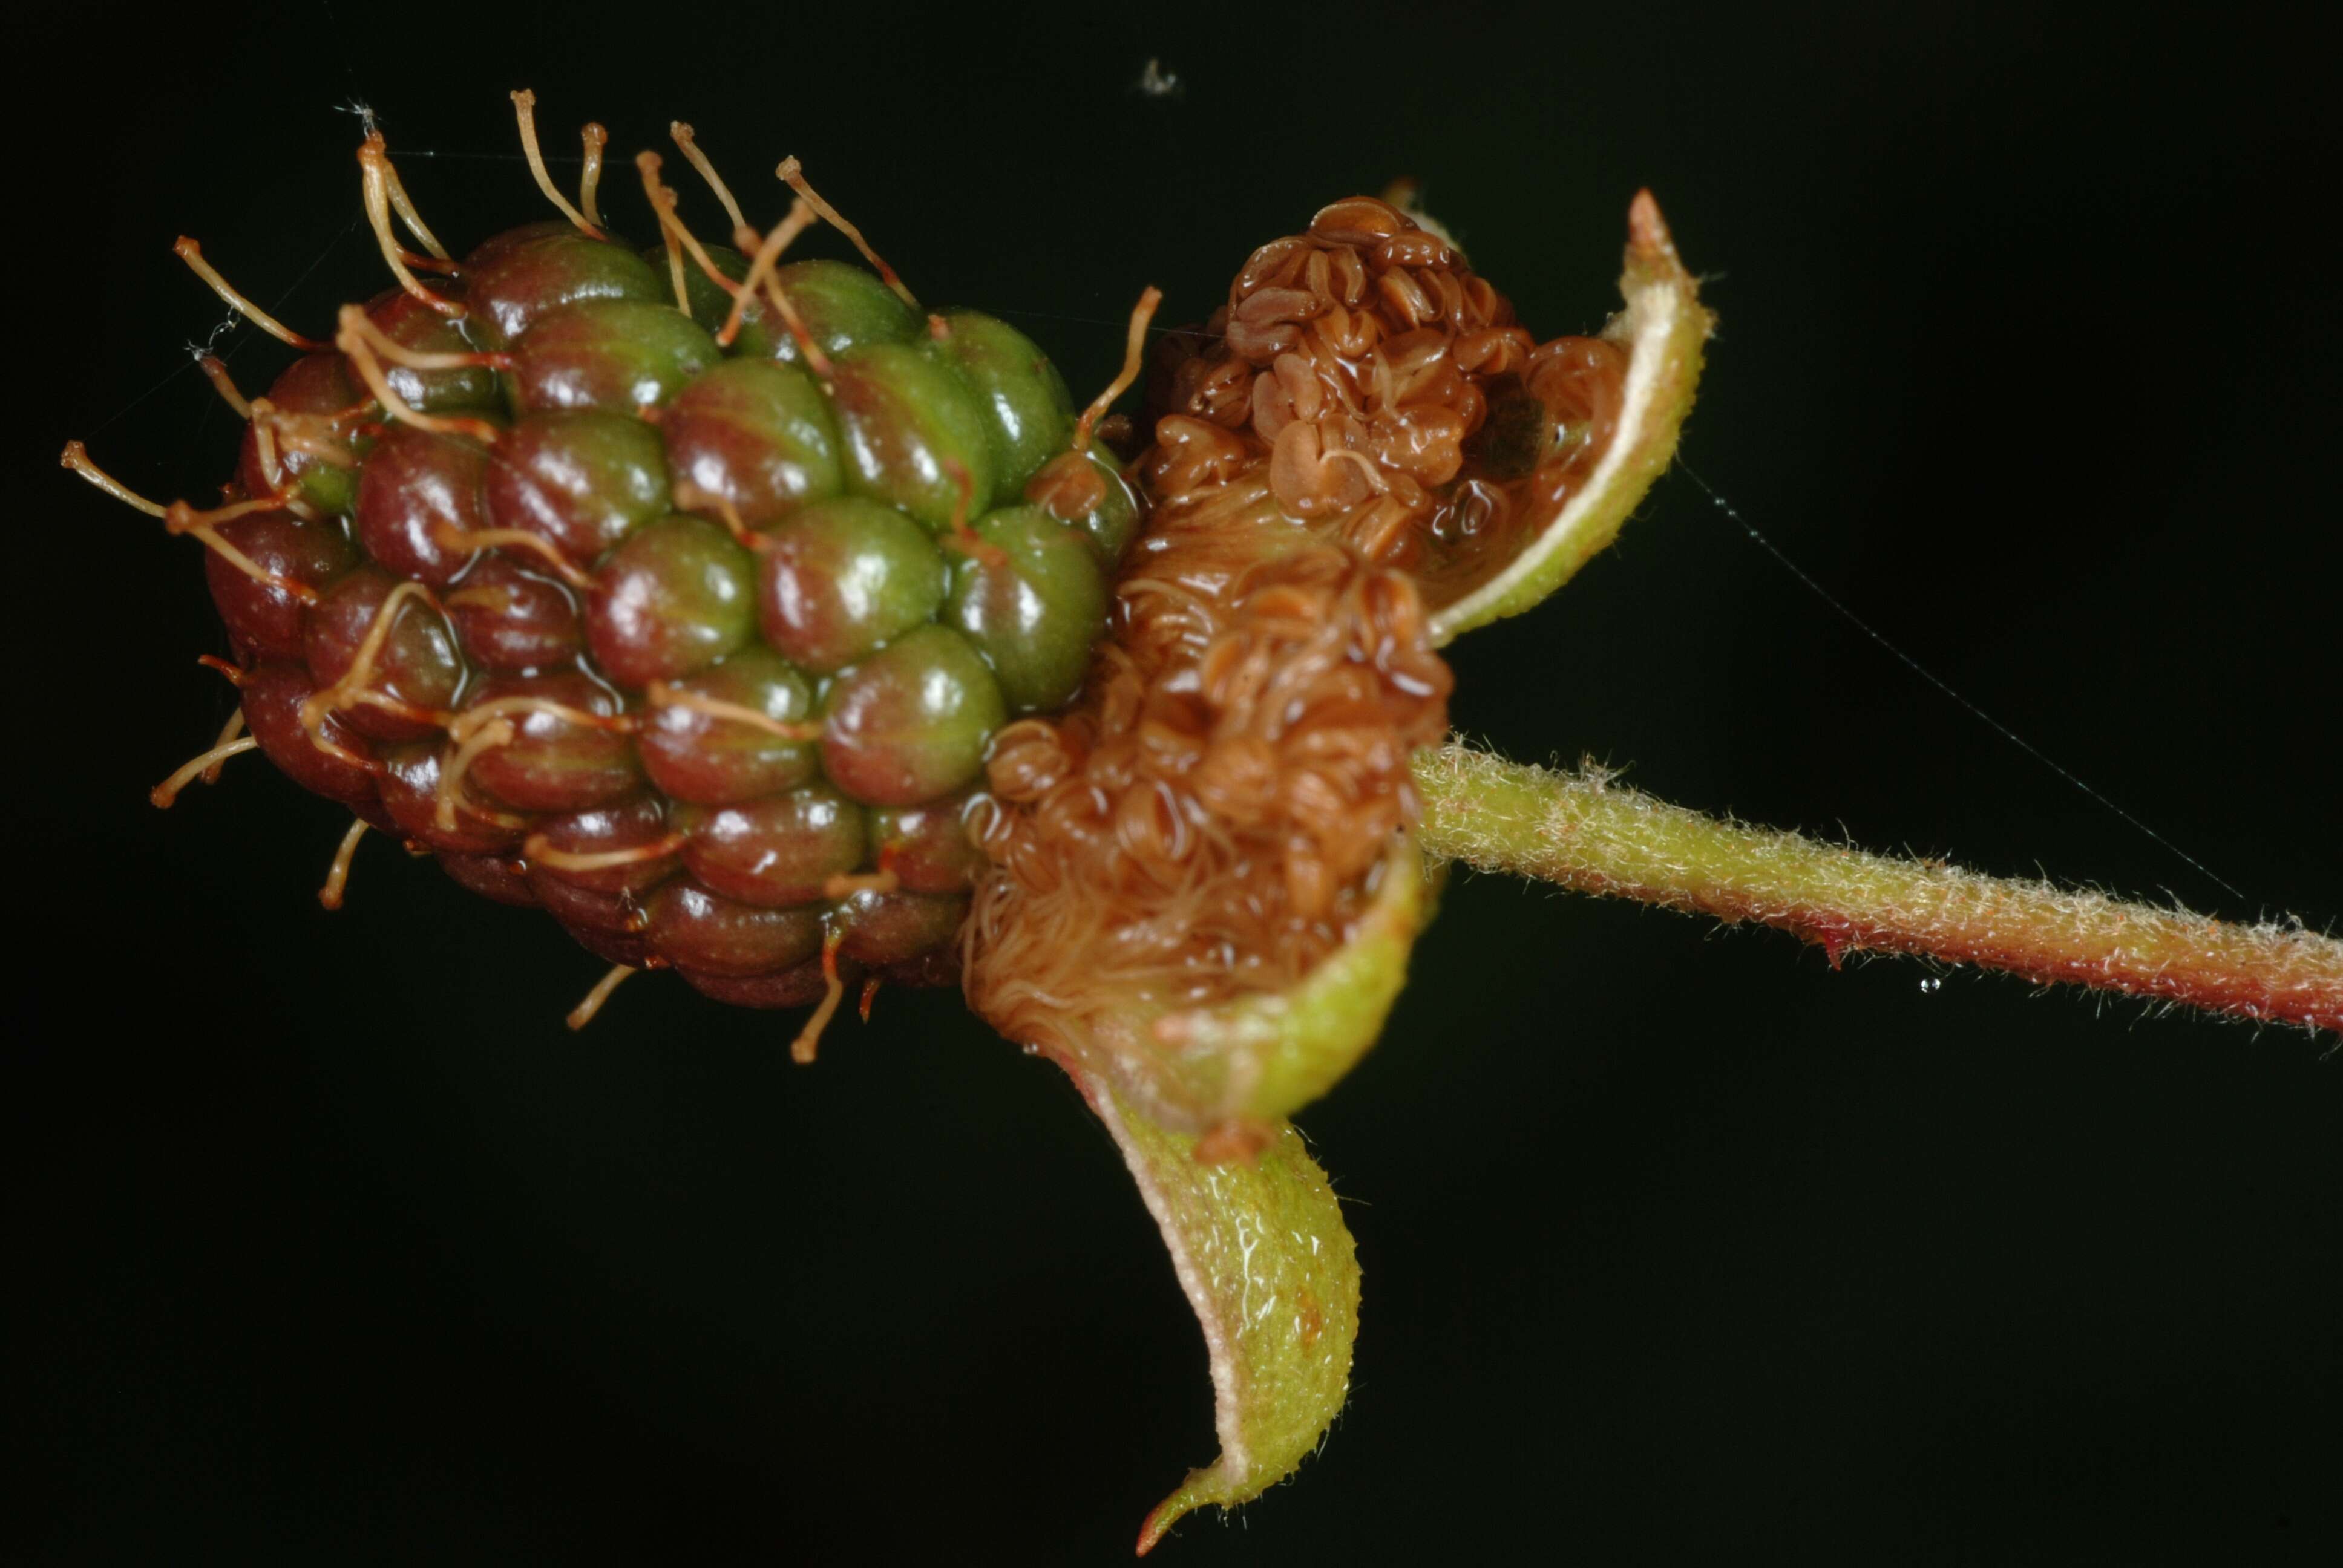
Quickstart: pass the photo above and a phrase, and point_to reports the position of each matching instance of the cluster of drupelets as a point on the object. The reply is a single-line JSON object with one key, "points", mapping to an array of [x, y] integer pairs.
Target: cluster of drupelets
{"points": [[677, 591]]}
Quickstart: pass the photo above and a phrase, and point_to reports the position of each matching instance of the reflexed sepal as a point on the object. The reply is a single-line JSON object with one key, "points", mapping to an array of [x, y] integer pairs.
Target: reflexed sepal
{"points": [[1262, 1058], [1264, 1258], [1661, 331]]}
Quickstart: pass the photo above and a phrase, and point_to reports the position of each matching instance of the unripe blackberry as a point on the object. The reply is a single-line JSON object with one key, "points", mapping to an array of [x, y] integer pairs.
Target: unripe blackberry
{"points": [[689, 598], [679, 592]]}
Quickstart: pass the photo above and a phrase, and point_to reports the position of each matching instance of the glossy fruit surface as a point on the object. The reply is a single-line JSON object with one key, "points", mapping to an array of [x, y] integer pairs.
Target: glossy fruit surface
{"points": [[580, 480], [843, 577], [909, 723], [1029, 605], [698, 647]]}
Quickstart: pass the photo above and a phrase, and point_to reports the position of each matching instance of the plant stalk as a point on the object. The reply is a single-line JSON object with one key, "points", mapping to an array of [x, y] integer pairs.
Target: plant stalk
{"points": [[1588, 833]]}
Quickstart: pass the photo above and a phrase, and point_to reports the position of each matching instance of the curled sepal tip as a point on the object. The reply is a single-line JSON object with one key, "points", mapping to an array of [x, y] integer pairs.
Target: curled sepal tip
{"points": [[1264, 1258], [1660, 330]]}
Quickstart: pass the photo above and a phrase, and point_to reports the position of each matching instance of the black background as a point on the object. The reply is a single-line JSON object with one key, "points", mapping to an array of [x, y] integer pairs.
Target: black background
{"points": [[329, 1242]]}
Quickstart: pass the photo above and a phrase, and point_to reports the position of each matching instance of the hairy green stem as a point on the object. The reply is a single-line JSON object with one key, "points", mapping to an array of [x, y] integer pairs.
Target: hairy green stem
{"points": [[1588, 833]]}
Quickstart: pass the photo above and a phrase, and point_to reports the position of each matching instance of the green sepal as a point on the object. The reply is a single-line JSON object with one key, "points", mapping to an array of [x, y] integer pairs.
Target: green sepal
{"points": [[1261, 1057], [1253, 1060], [1265, 1260], [1662, 330]]}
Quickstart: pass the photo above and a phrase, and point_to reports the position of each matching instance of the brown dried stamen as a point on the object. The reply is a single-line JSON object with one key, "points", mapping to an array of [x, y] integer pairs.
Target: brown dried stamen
{"points": [[488, 725], [962, 535], [800, 218], [262, 416], [278, 435], [1134, 351], [188, 251], [815, 360], [1358, 433], [792, 174], [180, 517], [450, 537], [524, 103], [663, 201], [76, 457], [809, 1040], [360, 340], [380, 186], [494, 597], [537, 847], [404, 205], [690, 497], [401, 354], [291, 586], [590, 177], [583, 1013], [338, 876], [659, 694], [229, 731], [1206, 822], [486, 737], [215, 372], [689, 143], [351, 690], [163, 794], [473, 719]]}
